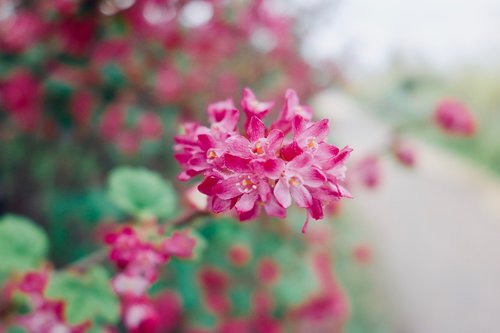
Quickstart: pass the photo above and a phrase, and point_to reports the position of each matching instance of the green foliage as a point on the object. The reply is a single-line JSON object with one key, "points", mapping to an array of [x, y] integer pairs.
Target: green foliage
{"points": [[142, 193], [23, 245], [87, 297]]}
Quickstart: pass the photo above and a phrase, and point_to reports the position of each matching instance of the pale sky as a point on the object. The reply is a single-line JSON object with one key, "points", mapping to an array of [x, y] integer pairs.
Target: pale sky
{"points": [[443, 33]]}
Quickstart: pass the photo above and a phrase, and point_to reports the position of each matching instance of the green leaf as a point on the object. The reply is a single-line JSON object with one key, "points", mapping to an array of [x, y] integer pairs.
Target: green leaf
{"points": [[87, 297], [142, 193], [23, 244]]}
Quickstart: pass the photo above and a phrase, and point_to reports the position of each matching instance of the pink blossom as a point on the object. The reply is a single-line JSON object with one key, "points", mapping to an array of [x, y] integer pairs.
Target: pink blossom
{"points": [[150, 126], [261, 168], [252, 107], [404, 153], [20, 95], [291, 109], [168, 305], [140, 316], [239, 255], [179, 245], [268, 271], [369, 172], [127, 284], [124, 245], [455, 118], [20, 31]]}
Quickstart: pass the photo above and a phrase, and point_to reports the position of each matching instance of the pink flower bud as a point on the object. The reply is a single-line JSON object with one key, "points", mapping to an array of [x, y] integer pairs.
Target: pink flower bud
{"points": [[455, 118]]}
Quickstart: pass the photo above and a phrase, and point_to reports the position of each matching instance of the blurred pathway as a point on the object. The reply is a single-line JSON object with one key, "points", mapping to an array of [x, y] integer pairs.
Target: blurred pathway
{"points": [[435, 230]]}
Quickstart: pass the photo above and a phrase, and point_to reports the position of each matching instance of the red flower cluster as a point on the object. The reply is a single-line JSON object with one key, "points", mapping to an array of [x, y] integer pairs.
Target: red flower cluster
{"points": [[46, 316], [269, 167], [139, 258]]}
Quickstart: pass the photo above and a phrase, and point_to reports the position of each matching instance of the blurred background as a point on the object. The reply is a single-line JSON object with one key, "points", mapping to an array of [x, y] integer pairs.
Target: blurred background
{"points": [[90, 85]]}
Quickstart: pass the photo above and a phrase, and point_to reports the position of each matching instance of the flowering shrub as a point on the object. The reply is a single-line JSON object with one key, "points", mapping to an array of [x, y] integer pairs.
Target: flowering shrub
{"points": [[267, 167], [87, 86]]}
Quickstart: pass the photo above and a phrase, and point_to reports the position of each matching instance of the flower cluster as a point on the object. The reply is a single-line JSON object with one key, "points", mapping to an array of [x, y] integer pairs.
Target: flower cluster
{"points": [[46, 316], [139, 257], [269, 167]]}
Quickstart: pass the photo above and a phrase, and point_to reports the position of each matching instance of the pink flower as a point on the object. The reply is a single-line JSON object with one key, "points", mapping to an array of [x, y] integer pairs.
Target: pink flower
{"points": [[179, 245], [239, 255], [140, 316], [455, 118], [124, 245], [150, 126], [404, 153], [127, 284], [262, 168], [34, 282], [168, 304], [268, 271], [252, 107], [369, 171], [20, 95], [291, 109], [20, 31]]}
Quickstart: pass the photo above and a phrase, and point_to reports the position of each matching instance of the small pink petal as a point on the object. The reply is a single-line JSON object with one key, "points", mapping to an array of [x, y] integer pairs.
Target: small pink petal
{"points": [[319, 130], [207, 185], [236, 163], [238, 145], [217, 205], [256, 129], [290, 151], [275, 139], [227, 189], [282, 193], [273, 208], [301, 196], [313, 177], [246, 202], [302, 161]]}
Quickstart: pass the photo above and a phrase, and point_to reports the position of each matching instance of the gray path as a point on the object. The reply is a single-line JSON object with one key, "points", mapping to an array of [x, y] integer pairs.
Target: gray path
{"points": [[435, 230]]}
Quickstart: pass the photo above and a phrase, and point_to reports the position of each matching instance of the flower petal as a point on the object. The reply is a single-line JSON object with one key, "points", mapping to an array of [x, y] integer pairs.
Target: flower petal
{"points": [[274, 140], [246, 202], [313, 177], [227, 189], [301, 196], [238, 145], [236, 163], [290, 151], [256, 129], [273, 208], [206, 141], [207, 185], [271, 168], [319, 130], [301, 161], [282, 193], [249, 215], [316, 210], [218, 205]]}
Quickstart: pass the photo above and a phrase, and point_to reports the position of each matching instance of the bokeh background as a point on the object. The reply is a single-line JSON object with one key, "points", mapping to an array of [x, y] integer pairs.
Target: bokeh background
{"points": [[87, 86]]}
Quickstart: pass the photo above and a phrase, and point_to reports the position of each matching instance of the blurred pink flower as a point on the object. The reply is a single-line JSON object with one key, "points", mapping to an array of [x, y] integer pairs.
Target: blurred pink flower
{"points": [[455, 118], [369, 172], [20, 95], [179, 245], [404, 153], [20, 31]]}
